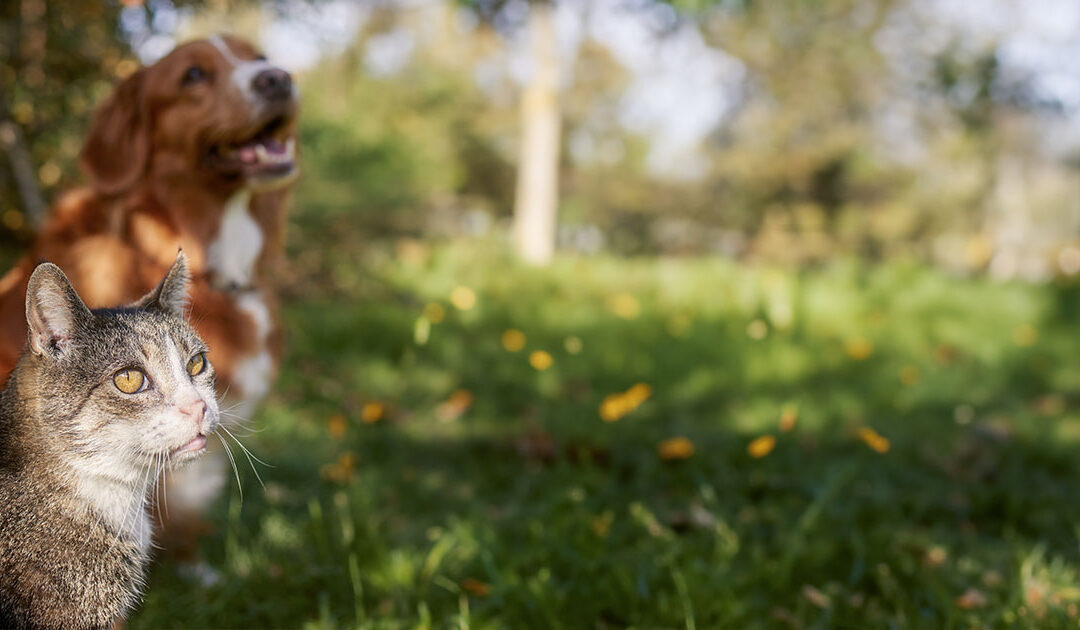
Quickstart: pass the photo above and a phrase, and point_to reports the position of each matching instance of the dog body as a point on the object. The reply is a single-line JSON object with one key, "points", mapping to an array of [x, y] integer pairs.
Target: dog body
{"points": [[195, 152]]}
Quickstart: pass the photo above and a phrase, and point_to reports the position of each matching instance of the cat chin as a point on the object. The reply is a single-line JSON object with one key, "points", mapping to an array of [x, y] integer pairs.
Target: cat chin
{"points": [[193, 448]]}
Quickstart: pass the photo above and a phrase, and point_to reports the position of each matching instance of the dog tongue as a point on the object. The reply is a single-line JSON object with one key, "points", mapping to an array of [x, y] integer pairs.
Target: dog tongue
{"points": [[247, 154]]}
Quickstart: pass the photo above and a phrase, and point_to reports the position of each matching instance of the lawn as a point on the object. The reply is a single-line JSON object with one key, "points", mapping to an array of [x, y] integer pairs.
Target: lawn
{"points": [[460, 442]]}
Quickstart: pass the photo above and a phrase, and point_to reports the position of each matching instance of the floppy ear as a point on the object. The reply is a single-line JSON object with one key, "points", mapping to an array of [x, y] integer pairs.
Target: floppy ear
{"points": [[54, 312], [170, 296], [118, 144]]}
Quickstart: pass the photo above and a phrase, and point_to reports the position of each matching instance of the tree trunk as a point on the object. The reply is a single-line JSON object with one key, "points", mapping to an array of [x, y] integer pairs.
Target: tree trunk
{"points": [[537, 194], [22, 170]]}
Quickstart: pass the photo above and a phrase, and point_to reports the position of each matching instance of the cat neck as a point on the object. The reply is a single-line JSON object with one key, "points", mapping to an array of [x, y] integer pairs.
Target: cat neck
{"points": [[119, 501]]}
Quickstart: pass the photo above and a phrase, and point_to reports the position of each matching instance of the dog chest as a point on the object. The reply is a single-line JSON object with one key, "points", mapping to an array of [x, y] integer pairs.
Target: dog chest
{"points": [[232, 255]]}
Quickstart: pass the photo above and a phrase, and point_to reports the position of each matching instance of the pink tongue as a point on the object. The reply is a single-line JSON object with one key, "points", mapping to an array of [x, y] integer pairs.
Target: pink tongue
{"points": [[247, 154]]}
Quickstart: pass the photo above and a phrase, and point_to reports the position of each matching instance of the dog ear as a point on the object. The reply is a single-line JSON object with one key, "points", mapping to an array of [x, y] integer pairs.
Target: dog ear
{"points": [[118, 145]]}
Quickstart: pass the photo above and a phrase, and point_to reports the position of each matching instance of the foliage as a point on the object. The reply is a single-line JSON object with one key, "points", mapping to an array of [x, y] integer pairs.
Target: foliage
{"points": [[57, 62], [430, 471]]}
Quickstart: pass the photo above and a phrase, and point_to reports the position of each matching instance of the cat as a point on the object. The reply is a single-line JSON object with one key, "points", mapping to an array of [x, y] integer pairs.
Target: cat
{"points": [[98, 405]]}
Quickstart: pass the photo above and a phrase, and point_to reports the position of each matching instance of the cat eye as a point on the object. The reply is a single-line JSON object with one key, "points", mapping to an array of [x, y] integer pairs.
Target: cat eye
{"points": [[129, 381], [196, 364]]}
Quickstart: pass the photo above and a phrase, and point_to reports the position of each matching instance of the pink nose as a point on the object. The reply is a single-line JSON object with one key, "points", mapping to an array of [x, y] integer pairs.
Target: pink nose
{"points": [[195, 410]]}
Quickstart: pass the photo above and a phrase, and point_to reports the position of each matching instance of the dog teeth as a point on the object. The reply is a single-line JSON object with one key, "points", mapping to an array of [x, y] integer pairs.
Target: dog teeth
{"points": [[261, 154]]}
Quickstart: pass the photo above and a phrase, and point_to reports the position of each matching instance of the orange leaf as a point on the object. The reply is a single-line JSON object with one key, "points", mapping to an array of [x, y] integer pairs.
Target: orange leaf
{"points": [[676, 448], [476, 587], [762, 446]]}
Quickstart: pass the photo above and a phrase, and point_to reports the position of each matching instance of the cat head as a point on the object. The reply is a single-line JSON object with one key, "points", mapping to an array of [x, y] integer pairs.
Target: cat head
{"points": [[125, 387]]}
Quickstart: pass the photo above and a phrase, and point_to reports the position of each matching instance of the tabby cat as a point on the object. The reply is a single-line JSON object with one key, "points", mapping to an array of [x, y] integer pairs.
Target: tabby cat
{"points": [[99, 404]]}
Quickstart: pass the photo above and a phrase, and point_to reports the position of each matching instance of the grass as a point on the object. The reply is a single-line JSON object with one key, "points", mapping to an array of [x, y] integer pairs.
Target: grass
{"points": [[923, 474]]}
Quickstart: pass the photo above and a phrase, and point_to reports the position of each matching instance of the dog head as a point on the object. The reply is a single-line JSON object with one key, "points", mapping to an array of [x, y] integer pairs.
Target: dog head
{"points": [[213, 106]]}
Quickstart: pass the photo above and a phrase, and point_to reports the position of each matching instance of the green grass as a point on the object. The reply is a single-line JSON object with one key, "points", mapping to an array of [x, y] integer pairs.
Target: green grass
{"points": [[528, 510]]}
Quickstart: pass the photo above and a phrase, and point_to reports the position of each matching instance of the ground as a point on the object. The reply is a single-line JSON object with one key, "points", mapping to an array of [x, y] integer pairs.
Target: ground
{"points": [[458, 441]]}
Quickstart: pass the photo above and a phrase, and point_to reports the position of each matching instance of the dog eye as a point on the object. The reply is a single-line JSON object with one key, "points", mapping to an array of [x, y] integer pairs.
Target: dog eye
{"points": [[260, 57], [194, 74]]}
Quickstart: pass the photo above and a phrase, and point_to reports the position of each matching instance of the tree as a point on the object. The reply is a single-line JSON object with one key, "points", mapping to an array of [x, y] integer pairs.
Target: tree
{"points": [[536, 199]]}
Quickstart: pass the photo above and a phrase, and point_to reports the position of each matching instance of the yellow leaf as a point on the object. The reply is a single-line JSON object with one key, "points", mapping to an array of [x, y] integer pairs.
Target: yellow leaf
{"points": [[789, 415], [372, 412], [434, 312], [625, 305], [463, 298], [513, 340], [613, 407], [761, 446], [859, 349], [676, 448], [638, 394], [910, 375], [541, 360], [336, 426], [874, 440], [601, 525]]}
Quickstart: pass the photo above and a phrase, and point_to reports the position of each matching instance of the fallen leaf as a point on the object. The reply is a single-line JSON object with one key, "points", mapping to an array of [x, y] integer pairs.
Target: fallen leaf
{"points": [[761, 446], [815, 596], [676, 448], [972, 598], [476, 587]]}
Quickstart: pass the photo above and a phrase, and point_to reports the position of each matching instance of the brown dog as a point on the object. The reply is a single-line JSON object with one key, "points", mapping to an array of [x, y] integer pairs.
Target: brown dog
{"points": [[196, 151]]}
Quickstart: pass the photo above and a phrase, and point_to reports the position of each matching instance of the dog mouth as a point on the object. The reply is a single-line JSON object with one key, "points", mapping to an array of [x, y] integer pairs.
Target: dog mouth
{"points": [[267, 156]]}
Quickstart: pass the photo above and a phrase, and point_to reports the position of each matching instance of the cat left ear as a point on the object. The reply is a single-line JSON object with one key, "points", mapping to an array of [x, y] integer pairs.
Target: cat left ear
{"points": [[54, 311], [170, 295]]}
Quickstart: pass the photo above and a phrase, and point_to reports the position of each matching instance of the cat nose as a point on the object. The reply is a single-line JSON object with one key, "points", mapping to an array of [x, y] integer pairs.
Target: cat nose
{"points": [[196, 411]]}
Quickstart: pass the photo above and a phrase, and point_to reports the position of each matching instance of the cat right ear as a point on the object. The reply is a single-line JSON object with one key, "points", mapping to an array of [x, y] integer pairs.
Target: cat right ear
{"points": [[170, 295], [54, 311]]}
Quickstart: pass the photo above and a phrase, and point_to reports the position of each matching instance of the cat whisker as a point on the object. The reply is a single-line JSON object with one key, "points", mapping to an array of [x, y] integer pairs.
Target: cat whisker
{"points": [[224, 394], [241, 422], [250, 457], [232, 461], [164, 485], [159, 478], [250, 454]]}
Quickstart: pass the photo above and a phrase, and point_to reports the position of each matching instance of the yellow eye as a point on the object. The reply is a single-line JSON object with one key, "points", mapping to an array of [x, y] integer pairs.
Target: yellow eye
{"points": [[129, 381], [196, 364]]}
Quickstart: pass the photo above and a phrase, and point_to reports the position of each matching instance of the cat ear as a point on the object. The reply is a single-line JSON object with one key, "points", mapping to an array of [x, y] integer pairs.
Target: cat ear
{"points": [[170, 295], [53, 311]]}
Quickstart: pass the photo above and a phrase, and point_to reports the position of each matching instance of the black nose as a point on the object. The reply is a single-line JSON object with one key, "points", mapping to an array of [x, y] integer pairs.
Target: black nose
{"points": [[274, 84]]}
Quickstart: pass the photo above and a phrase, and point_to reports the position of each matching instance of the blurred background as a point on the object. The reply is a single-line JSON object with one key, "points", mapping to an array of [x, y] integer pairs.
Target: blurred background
{"points": [[613, 313]]}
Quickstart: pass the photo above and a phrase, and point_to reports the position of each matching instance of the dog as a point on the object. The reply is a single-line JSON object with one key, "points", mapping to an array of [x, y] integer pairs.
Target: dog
{"points": [[195, 152]]}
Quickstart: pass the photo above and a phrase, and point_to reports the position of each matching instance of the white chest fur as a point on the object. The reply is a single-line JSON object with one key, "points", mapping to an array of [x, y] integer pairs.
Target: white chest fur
{"points": [[254, 373], [231, 256]]}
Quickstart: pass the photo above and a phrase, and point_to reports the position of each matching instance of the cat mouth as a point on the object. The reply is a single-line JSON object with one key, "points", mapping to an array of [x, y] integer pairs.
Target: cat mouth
{"points": [[194, 446]]}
